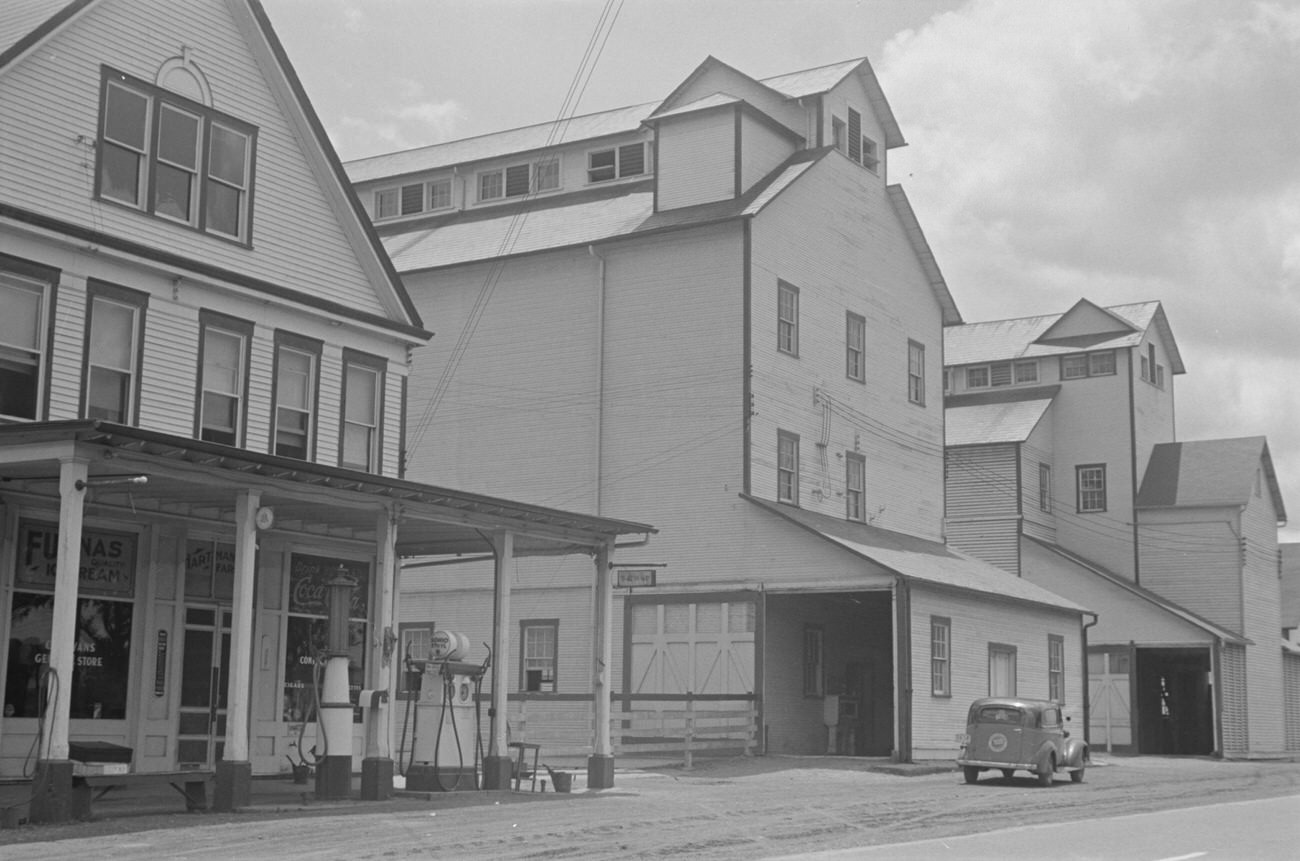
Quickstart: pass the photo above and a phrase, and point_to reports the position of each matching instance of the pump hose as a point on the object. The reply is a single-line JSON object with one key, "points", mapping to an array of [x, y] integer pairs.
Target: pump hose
{"points": [[324, 733], [448, 691]]}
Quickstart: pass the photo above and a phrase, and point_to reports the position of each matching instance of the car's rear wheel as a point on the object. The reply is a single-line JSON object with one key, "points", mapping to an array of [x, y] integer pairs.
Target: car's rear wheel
{"points": [[1007, 772], [971, 773], [1045, 771], [1076, 776]]}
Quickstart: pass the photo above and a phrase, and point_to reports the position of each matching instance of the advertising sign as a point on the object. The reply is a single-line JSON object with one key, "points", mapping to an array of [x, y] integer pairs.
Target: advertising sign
{"points": [[107, 559]]}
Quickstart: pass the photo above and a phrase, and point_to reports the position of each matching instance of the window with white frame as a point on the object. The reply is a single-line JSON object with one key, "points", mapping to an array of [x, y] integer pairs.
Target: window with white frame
{"points": [[1002, 670], [787, 467], [855, 341], [1027, 371], [538, 643], [604, 165], [940, 656], [224, 344], [546, 174], [1091, 482], [1045, 486], [855, 483], [1079, 365], [440, 194], [814, 661], [916, 373], [297, 361], [25, 291], [1056, 668], [517, 180], [787, 318], [870, 154], [363, 390], [174, 158], [415, 640], [977, 376], [839, 135], [113, 344]]}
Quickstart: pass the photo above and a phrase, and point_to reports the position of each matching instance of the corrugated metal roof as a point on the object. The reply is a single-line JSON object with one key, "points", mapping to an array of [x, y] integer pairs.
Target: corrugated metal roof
{"points": [[1000, 340], [497, 144], [918, 559], [809, 82], [1207, 473], [717, 100], [981, 424]]}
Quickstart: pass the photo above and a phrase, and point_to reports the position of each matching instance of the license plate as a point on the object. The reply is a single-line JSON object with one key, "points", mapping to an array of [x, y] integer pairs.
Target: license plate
{"points": [[963, 738]]}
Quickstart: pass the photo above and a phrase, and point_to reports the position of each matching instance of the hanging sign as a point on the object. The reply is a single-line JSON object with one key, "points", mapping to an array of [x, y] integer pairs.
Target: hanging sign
{"points": [[626, 578]]}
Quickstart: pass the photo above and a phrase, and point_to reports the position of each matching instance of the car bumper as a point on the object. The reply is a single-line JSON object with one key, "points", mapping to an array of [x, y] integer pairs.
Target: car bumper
{"points": [[988, 763]]}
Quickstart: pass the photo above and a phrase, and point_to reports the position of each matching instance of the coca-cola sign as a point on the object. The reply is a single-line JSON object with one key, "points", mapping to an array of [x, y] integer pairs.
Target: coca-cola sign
{"points": [[309, 577]]}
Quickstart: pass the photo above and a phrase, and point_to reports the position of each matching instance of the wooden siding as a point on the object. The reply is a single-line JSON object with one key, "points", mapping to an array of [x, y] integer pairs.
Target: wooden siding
{"points": [[1193, 558], [1261, 597], [992, 540], [850, 93], [68, 349], [1039, 449], [835, 237], [1236, 712], [975, 624], [981, 503], [1291, 698], [298, 241], [762, 149], [170, 367], [697, 159], [1091, 426], [1153, 406]]}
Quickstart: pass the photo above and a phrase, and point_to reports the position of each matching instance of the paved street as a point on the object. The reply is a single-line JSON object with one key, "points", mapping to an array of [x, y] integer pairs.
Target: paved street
{"points": [[765, 807]]}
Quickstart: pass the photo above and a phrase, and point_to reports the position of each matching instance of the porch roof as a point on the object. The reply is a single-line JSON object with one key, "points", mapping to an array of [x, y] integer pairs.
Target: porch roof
{"points": [[927, 562], [197, 481]]}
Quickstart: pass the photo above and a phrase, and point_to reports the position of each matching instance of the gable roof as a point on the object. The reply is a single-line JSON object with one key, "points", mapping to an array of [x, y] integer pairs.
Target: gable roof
{"points": [[925, 562], [25, 24], [912, 227], [1031, 337], [810, 82], [1208, 473]]}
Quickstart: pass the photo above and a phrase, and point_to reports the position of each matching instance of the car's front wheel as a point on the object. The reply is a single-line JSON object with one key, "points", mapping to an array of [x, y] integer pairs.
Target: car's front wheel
{"points": [[1076, 776], [971, 773]]}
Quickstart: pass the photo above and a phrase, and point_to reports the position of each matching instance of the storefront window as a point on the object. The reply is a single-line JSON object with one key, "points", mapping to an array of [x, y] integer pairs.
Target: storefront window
{"points": [[306, 634], [101, 672]]}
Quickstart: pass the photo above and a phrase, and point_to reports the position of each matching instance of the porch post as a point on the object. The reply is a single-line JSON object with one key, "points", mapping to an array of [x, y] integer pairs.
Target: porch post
{"points": [[600, 766], [52, 798], [235, 770], [377, 765], [497, 764]]}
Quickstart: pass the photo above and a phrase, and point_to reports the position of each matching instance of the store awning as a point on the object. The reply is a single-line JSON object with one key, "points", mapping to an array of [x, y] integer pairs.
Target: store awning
{"points": [[197, 481]]}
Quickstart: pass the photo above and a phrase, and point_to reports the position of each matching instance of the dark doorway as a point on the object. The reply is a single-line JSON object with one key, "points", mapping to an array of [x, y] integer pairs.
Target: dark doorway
{"points": [[1175, 712]]}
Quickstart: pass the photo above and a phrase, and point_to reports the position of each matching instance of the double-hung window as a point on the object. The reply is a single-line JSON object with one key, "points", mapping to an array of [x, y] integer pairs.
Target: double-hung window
{"points": [[916, 373], [1091, 482], [977, 377], [787, 467], [223, 378], [787, 318], [940, 656], [855, 481], [25, 296], [538, 643], [1056, 668], [115, 321], [1027, 371], [1045, 486], [297, 361], [174, 158], [1080, 365], [363, 391], [518, 180], [855, 341]]}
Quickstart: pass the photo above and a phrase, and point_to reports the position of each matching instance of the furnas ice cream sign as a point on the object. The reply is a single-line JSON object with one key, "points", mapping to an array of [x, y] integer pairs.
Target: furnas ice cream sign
{"points": [[107, 559]]}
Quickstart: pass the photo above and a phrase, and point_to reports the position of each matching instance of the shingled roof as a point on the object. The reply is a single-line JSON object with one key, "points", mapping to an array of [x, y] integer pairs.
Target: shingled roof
{"points": [[1208, 473]]}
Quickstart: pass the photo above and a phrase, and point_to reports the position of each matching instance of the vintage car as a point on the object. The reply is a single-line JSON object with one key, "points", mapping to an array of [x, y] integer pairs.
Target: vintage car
{"points": [[1010, 734]]}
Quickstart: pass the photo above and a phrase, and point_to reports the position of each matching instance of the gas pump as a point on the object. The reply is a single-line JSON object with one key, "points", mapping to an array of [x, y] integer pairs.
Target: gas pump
{"points": [[334, 710], [444, 749]]}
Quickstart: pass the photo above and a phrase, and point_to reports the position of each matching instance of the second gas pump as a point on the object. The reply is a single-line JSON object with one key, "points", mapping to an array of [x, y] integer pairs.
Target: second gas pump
{"points": [[444, 755]]}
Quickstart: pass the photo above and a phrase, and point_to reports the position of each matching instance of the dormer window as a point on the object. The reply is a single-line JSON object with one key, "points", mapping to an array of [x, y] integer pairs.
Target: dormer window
{"points": [[616, 163], [517, 180], [412, 198], [1080, 365], [173, 158], [849, 139], [1002, 374]]}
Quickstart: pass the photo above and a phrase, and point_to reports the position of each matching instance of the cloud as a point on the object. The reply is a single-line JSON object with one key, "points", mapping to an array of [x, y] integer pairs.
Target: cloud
{"points": [[1121, 152], [407, 120]]}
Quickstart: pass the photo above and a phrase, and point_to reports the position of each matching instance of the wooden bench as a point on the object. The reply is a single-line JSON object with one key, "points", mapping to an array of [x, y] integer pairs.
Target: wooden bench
{"points": [[192, 784]]}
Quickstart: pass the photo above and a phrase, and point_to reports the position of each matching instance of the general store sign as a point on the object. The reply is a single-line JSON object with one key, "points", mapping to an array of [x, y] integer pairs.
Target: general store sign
{"points": [[107, 559]]}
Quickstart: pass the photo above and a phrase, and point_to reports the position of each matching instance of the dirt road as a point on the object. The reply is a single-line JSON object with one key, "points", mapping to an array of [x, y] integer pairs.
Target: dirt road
{"points": [[733, 809]]}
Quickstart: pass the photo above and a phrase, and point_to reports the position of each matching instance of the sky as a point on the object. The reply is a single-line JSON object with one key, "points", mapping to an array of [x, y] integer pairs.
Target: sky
{"points": [[1112, 150]]}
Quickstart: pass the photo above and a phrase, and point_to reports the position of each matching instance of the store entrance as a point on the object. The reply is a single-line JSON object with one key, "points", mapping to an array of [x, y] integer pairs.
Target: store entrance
{"points": [[201, 727]]}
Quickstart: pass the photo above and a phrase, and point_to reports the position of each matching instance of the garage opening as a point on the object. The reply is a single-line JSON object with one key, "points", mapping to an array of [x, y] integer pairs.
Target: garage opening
{"points": [[1175, 706]]}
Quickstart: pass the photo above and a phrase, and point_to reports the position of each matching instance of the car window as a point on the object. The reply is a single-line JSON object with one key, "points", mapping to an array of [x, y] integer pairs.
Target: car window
{"points": [[999, 714], [1051, 717]]}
